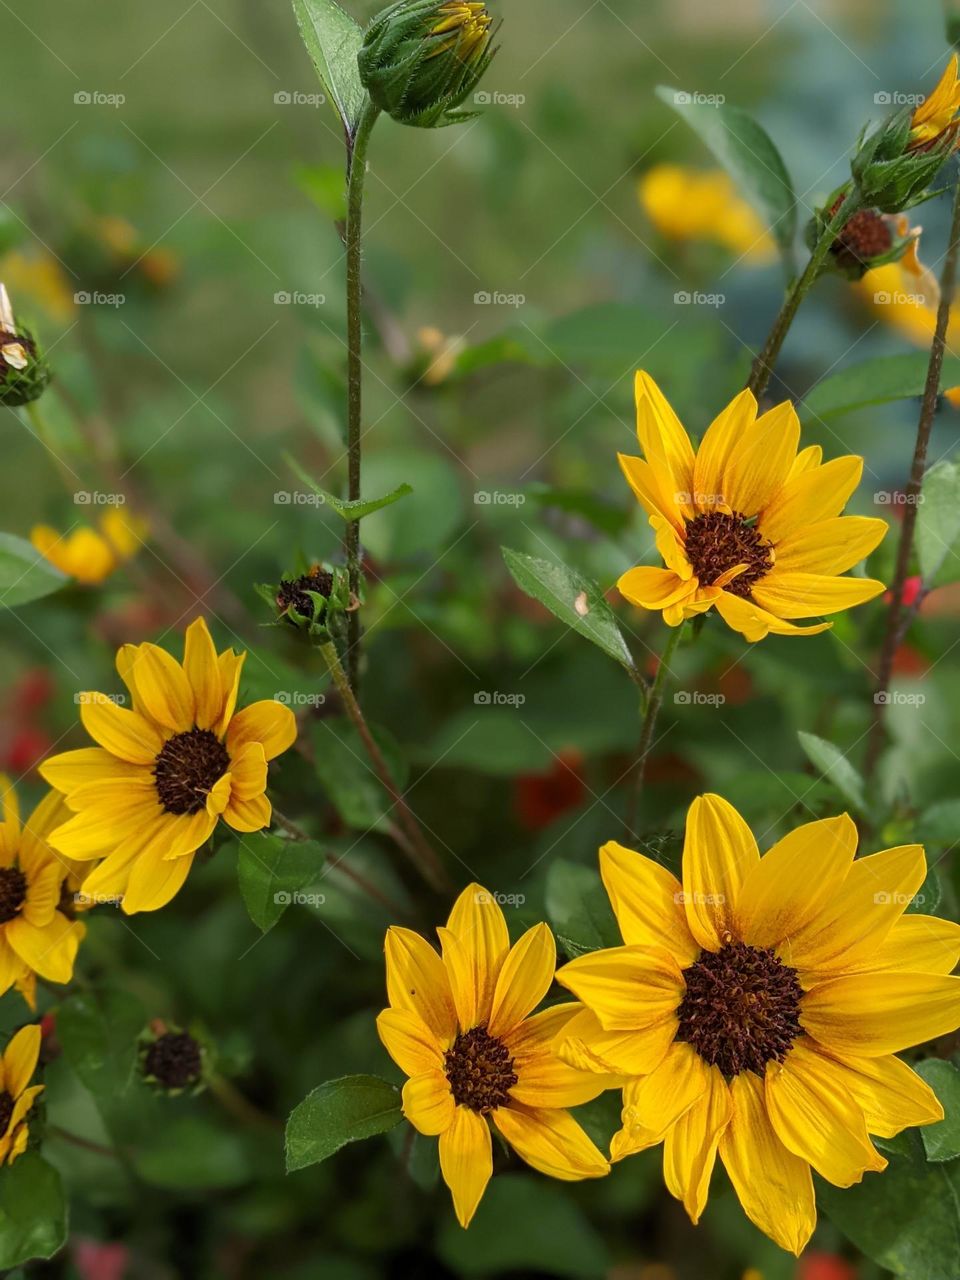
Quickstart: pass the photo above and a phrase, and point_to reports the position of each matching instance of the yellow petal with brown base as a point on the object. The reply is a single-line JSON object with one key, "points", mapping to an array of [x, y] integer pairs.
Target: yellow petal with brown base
{"points": [[719, 853], [466, 1161], [551, 1142], [870, 1015], [524, 979], [647, 901], [690, 1148], [628, 988], [417, 980], [479, 924]]}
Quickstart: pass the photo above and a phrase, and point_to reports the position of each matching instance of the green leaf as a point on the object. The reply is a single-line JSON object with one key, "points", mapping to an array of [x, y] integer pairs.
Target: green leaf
{"points": [[905, 1218], [835, 767], [350, 510], [324, 184], [99, 1041], [876, 381], [348, 777], [24, 574], [579, 910], [938, 525], [747, 153], [271, 871], [33, 1212], [573, 599], [333, 40], [525, 1226], [339, 1112], [941, 1141]]}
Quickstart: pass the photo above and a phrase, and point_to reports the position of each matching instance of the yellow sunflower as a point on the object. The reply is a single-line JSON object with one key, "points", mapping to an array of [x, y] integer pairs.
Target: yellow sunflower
{"points": [[690, 204], [459, 1027], [745, 524], [150, 793], [938, 113], [17, 1066], [91, 555], [36, 937], [758, 1007]]}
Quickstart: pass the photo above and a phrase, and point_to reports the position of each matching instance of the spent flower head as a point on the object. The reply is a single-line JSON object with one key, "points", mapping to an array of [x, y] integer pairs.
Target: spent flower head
{"points": [[173, 1061], [24, 372], [313, 600], [421, 59]]}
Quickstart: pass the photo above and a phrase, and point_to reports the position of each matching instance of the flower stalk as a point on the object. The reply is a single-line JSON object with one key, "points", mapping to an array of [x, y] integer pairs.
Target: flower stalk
{"points": [[898, 616], [651, 711]]}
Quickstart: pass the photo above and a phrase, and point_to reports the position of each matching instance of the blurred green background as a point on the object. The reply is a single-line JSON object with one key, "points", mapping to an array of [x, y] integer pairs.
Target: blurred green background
{"points": [[165, 161]]}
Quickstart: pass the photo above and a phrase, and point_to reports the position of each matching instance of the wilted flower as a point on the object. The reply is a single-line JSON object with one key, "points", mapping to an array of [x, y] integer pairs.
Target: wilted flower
{"points": [[171, 1059], [422, 58], [24, 373]]}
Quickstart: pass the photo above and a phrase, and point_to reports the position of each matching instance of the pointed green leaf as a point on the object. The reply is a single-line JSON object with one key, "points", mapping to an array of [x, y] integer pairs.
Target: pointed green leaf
{"points": [[24, 574], [747, 153], [835, 767], [876, 381], [271, 871], [33, 1212], [941, 1141], [938, 525], [349, 510], [573, 599], [333, 40], [339, 1112]]}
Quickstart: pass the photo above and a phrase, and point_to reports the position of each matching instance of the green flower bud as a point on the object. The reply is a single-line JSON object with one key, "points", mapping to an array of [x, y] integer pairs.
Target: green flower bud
{"points": [[422, 58], [867, 239], [311, 601], [892, 172], [24, 372]]}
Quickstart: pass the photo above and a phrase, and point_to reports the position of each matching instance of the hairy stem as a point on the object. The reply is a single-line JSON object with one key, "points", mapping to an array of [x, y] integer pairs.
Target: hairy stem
{"points": [[654, 701], [899, 618], [418, 850], [356, 174], [763, 364]]}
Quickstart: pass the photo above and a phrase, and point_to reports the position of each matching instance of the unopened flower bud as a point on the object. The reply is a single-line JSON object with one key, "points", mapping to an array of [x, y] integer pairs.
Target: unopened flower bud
{"points": [[24, 373], [310, 601], [421, 59]]}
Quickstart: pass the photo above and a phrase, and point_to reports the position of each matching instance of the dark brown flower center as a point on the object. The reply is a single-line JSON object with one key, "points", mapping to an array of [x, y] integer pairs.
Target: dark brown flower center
{"points": [[6, 1111], [174, 1059], [866, 235], [13, 893], [292, 592], [480, 1070], [187, 768], [741, 1008], [716, 542]]}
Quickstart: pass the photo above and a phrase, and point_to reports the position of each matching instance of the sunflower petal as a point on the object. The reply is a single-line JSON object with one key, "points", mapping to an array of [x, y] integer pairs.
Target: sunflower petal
{"points": [[417, 981], [544, 1079], [830, 546], [479, 924], [20, 1059], [163, 689], [203, 673], [663, 440], [653, 1105], [428, 1103], [651, 588], [647, 901], [552, 1142], [49, 951], [816, 1117], [123, 733], [804, 595], [409, 1041], [773, 1185], [819, 493], [755, 623], [719, 853], [891, 1096], [628, 988], [270, 723], [71, 769], [584, 1044], [718, 443], [690, 1148], [872, 1014], [466, 1161], [524, 979], [758, 467], [155, 880]]}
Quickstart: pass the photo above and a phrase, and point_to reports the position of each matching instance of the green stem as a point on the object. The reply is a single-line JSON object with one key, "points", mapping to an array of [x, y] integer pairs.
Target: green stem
{"points": [[654, 701], [898, 619], [764, 362], [418, 849], [356, 174], [42, 431]]}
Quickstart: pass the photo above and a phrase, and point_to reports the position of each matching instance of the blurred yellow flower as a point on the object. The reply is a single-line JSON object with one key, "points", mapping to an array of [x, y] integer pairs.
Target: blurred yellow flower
{"points": [[35, 936], [759, 1006], [905, 294], [17, 1095], [440, 354], [87, 555], [165, 769], [40, 279], [937, 113], [746, 524], [689, 204], [460, 1028]]}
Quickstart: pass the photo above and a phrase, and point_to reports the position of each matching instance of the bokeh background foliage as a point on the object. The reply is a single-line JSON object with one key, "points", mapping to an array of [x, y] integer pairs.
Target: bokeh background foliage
{"points": [[515, 247]]}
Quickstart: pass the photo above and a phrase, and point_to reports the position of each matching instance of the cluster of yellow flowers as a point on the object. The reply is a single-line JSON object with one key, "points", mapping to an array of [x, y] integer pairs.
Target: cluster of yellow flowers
{"points": [[754, 1010]]}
